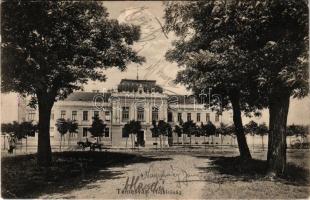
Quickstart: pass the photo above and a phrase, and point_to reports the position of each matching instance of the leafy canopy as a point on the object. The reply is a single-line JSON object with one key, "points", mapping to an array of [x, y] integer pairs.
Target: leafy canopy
{"points": [[98, 127], [178, 130], [164, 128], [208, 129], [62, 126], [132, 127], [240, 46], [189, 128], [53, 47], [72, 126], [19, 130]]}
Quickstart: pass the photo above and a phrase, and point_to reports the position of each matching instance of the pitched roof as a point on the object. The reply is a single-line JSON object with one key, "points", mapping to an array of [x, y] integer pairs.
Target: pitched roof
{"points": [[132, 85], [88, 96]]}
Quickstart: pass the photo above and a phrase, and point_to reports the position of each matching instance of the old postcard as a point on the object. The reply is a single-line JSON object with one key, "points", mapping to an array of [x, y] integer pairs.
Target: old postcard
{"points": [[155, 100]]}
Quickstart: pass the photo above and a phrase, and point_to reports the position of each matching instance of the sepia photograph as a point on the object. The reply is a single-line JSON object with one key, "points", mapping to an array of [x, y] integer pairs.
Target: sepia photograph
{"points": [[155, 99]]}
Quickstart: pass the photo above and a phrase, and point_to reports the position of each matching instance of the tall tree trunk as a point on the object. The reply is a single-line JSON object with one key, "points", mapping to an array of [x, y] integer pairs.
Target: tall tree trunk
{"points": [[221, 142], [242, 144], [278, 111], [60, 142], [204, 141], [44, 155], [132, 142], [253, 141], [69, 140], [4, 141]]}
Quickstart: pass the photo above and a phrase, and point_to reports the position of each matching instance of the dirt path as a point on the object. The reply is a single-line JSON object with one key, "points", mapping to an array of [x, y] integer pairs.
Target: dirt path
{"points": [[176, 178]]}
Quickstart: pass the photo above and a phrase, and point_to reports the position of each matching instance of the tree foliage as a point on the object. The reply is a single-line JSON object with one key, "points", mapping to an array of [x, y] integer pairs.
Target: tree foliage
{"points": [[297, 130], [51, 48], [133, 127], [164, 128], [98, 127], [72, 126], [154, 129], [54, 47], [19, 130], [178, 130], [62, 126], [254, 53], [126, 130], [251, 127], [209, 46], [189, 128], [262, 129], [209, 129]]}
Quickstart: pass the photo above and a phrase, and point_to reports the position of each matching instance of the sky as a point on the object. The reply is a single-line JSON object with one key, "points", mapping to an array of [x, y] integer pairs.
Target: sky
{"points": [[153, 45]]}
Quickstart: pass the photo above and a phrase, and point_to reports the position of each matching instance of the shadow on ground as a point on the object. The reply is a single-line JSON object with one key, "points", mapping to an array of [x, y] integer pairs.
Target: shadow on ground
{"points": [[234, 168], [22, 178]]}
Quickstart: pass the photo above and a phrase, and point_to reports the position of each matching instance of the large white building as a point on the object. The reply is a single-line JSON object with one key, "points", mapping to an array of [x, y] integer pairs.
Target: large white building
{"points": [[140, 100]]}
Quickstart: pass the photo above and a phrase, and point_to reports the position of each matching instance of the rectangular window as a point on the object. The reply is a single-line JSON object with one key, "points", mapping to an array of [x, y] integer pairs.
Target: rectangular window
{"points": [[31, 116], [85, 115], [179, 117], [207, 117], [107, 132], [189, 116], [140, 114], [84, 132], [170, 117], [154, 113], [62, 114], [96, 113], [124, 134], [52, 116], [217, 117], [125, 114], [107, 115], [74, 114], [198, 117]]}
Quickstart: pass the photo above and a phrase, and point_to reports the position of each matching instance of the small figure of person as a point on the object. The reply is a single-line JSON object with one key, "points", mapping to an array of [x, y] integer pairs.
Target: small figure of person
{"points": [[12, 144]]}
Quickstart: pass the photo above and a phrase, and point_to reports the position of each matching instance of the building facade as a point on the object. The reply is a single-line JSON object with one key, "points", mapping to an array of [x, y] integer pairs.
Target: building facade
{"points": [[140, 100]]}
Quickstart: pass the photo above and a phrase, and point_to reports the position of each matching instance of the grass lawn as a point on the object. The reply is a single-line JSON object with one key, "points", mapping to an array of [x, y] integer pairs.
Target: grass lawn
{"points": [[22, 178], [229, 177], [224, 175]]}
